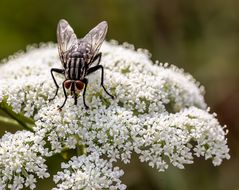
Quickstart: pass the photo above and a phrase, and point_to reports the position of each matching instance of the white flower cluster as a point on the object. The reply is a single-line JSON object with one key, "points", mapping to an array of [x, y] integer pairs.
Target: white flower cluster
{"points": [[159, 113], [25, 79], [88, 172], [21, 160], [173, 136]]}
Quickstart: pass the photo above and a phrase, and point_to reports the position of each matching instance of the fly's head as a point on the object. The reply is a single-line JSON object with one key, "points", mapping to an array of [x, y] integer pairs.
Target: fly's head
{"points": [[74, 86]]}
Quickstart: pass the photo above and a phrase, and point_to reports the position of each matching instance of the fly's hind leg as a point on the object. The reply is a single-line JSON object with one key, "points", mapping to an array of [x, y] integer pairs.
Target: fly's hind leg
{"points": [[95, 68], [98, 56]]}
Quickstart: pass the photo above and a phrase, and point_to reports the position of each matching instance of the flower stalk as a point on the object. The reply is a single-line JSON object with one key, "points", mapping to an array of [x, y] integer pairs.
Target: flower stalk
{"points": [[26, 123]]}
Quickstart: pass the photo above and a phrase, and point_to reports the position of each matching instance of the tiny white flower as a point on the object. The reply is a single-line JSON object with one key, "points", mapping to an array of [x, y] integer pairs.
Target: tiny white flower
{"points": [[30, 182]]}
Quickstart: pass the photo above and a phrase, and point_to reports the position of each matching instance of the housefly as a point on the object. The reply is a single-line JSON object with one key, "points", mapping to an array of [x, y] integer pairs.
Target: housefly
{"points": [[79, 58]]}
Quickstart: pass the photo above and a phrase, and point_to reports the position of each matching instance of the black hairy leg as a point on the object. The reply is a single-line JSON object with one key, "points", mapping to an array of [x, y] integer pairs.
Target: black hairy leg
{"points": [[85, 81], [60, 71], [64, 90], [95, 68]]}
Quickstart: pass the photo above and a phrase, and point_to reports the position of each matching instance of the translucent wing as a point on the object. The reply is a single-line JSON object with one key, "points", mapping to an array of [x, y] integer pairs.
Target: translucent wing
{"points": [[96, 37], [66, 38]]}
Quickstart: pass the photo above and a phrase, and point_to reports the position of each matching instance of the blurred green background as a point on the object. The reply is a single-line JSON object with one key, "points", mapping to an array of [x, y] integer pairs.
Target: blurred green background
{"points": [[200, 36]]}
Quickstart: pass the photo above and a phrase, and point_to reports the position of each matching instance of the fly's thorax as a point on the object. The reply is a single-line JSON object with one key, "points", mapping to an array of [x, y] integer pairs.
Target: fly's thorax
{"points": [[74, 86], [76, 66], [84, 48]]}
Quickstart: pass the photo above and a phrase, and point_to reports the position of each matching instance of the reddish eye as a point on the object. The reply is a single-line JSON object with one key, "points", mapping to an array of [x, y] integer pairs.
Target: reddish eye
{"points": [[67, 84], [79, 85]]}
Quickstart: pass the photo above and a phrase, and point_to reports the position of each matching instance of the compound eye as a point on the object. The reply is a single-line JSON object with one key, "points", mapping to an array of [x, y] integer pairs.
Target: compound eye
{"points": [[67, 84], [79, 85]]}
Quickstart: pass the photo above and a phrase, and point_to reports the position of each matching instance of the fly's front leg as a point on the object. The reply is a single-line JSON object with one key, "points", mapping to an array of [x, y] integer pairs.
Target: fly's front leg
{"points": [[85, 81], [75, 98], [64, 90], [60, 71], [95, 68]]}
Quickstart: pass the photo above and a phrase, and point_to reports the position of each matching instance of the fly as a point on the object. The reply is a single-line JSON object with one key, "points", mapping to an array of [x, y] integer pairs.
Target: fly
{"points": [[77, 57]]}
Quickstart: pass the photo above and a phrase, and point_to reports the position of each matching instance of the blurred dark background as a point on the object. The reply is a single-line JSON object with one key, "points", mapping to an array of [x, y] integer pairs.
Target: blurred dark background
{"points": [[200, 36]]}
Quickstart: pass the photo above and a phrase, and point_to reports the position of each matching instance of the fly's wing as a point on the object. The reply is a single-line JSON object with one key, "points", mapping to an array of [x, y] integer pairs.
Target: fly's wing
{"points": [[96, 37], [66, 39]]}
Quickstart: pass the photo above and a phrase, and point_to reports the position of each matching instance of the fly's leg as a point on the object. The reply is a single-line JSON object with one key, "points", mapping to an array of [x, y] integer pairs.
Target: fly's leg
{"points": [[75, 98], [60, 71], [98, 56], [64, 90], [85, 81], [95, 68]]}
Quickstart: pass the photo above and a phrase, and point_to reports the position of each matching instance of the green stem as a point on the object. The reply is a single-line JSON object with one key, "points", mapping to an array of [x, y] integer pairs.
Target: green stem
{"points": [[8, 121], [20, 119], [80, 150]]}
